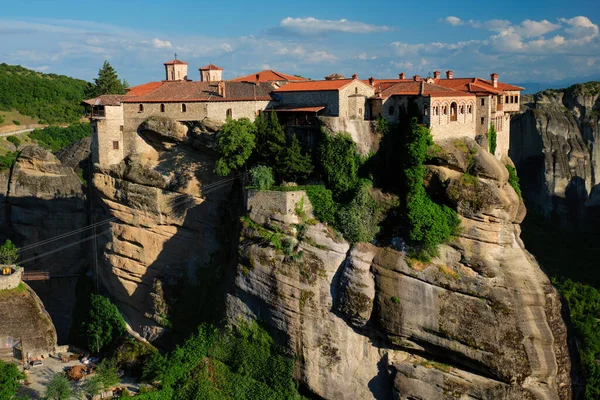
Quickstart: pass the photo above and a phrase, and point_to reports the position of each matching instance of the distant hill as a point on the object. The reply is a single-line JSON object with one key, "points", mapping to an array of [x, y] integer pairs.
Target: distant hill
{"points": [[534, 87], [50, 98]]}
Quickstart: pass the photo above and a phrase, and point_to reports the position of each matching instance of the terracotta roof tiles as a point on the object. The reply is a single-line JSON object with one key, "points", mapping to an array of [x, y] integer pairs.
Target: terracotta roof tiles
{"points": [[268, 75], [315, 86], [173, 62], [210, 67]]}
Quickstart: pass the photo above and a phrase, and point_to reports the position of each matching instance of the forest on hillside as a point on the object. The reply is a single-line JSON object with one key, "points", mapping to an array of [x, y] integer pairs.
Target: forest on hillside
{"points": [[51, 98]]}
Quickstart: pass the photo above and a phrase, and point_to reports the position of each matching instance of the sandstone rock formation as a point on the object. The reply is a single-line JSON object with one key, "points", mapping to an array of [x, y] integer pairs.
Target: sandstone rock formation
{"points": [[42, 198], [553, 145], [24, 318], [167, 216], [480, 321]]}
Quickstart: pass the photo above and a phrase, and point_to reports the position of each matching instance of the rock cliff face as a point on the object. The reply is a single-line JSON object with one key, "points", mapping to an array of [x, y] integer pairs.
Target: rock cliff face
{"points": [[167, 214], [24, 318], [41, 198], [480, 321], [553, 146]]}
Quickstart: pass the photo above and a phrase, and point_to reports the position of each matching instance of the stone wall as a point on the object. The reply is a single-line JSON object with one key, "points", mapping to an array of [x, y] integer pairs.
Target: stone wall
{"points": [[105, 132], [353, 98], [11, 281], [281, 204], [328, 98], [483, 111], [441, 125]]}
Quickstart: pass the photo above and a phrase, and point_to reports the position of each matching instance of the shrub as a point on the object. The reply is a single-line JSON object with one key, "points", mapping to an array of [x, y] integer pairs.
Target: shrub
{"points": [[235, 142], [9, 380], [1, 119], [492, 138], [382, 125], [584, 309], [262, 177], [340, 162], [513, 179], [357, 220], [321, 199], [16, 122], [59, 387], [14, 140], [395, 300]]}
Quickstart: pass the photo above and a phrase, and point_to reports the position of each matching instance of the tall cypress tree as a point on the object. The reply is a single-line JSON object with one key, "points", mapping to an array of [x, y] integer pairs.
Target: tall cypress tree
{"points": [[108, 81]]}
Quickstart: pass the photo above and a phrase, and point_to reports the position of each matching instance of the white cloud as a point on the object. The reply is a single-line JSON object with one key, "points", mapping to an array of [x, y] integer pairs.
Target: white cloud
{"points": [[454, 21], [529, 28], [313, 26], [161, 44], [580, 27]]}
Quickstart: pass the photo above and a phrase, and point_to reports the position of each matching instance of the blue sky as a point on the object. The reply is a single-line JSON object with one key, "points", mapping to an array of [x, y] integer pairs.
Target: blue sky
{"points": [[523, 41]]}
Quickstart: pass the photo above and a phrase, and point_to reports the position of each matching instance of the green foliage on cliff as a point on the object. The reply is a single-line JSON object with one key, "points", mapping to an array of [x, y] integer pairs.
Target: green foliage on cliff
{"points": [[7, 160], [584, 309], [58, 387], [293, 165], [430, 224], [492, 139], [321, 199], [9, 380], [51, 98], [235, 142], [340, 162], [358, 219], [55, 138], [241, 363], [104, 324], [14, 140], [261, 177], [513, 179], [9, 253]]}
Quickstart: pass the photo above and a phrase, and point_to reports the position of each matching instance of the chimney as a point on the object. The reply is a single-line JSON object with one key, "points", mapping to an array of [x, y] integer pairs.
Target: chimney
{"points": [[371, 81], [401, 75], [416, 78], [221, 88], [494, 77], [449, 74], [354, 76], [436, 74], [257, 77], [422, 88]]}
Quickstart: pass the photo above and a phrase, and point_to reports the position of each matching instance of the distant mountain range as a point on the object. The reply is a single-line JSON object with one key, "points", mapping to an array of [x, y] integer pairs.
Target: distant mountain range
{"points": [[534, 87]]}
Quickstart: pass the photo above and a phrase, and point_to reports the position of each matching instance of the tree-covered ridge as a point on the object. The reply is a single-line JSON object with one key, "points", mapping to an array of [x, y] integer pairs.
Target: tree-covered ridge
{"points": [[51, 98]]}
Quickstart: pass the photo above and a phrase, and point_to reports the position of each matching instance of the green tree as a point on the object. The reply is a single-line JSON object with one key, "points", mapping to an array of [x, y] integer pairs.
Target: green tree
{"points": [[104, 324], [340, 162], [429, 224], [9, 380], [357, 220], [235, 142], [106, 376], [292, 165], [9, 253], [270, 138], [108, 81], [492, 138], [59, 388], [262, 177]]}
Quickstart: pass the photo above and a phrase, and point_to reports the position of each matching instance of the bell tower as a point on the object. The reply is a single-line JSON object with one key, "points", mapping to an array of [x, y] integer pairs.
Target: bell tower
{"points": [[211, 73], [176, 70]]}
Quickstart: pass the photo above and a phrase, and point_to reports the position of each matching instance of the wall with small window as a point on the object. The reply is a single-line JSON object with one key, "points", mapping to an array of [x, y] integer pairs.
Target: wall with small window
{"points": [[107, 136], [452, 117]]}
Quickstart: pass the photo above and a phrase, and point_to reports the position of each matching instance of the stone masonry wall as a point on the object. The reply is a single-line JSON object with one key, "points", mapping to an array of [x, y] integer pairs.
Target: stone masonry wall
{"points": [[105, 131], [10, 281], [354, 88], [327, 98]]}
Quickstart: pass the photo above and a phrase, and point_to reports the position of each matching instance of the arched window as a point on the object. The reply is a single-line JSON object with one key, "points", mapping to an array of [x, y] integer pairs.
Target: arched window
{"points": [[391, 110], [162, 108], [183, 108], [141, 108], [355, 90], [444, 110], [469, 109], [229, 113], [461, 109], [453, 111], [425, 110]]}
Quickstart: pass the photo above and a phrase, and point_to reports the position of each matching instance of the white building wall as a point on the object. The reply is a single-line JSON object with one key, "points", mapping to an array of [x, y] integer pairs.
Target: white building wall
{"points": [[105, 133]]}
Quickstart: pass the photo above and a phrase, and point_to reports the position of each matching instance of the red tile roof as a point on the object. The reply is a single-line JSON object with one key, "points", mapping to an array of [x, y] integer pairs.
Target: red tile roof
{"points": [[413, 88], [105, 100], [210, 67], [172, 62], [178, 91], [268, 75], [315, 86], [141, 90], [476, 85]]}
